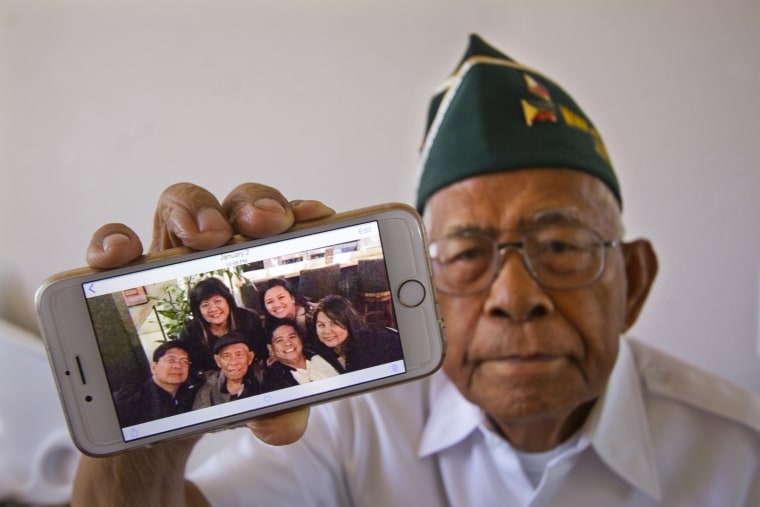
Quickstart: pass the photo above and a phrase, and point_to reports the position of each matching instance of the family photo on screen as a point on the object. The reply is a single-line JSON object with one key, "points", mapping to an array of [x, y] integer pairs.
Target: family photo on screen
{"points": [[221, 336]]}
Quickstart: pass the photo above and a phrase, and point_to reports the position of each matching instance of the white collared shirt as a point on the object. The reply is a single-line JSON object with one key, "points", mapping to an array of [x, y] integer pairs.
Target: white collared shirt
{"points": [[317, 368], [654, 438]]}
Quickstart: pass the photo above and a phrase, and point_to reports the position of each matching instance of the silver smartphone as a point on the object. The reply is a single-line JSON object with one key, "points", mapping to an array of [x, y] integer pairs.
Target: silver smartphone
{"points": [[155, 350]]}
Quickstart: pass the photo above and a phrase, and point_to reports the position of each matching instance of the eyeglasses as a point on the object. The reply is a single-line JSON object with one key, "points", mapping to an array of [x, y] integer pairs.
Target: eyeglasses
{"points": [[556, 256], [171, 361]]}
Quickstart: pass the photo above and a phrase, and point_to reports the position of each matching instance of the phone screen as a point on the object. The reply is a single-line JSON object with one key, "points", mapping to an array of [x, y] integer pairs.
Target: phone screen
{"points": [[293, 319]]}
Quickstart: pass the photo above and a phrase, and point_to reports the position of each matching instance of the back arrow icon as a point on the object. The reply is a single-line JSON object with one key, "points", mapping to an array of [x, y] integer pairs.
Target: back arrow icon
{"points": [[91, 289]]}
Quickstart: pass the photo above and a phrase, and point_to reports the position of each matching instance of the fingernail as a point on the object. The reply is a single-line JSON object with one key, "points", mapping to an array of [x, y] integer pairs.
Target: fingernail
{"points": [[114, 241], [267, 204], [210, 218]]}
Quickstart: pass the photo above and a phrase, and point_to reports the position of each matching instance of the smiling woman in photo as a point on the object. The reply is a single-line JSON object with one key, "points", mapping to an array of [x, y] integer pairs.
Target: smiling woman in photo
{"points": [[280, 301], [216, 314], [347, 342]]}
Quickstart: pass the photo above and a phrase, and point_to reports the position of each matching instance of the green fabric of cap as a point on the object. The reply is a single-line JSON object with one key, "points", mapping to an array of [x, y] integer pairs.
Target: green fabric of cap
{"points": [[494, 115]]}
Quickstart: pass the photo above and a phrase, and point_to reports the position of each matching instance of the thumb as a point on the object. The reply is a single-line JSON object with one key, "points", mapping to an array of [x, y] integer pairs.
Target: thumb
{"points": [[280, 429]]}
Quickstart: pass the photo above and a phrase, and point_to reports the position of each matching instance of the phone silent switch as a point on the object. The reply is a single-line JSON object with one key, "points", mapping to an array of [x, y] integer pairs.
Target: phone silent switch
{"points": [[411, 293]]}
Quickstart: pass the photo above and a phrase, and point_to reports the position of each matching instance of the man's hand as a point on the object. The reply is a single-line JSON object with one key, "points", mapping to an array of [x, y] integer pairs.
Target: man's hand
{"points": [[187, 215]]}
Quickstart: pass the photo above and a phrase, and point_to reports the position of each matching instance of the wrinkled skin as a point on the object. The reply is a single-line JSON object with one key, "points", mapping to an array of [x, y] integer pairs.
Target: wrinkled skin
{"points": [[534, 359]]}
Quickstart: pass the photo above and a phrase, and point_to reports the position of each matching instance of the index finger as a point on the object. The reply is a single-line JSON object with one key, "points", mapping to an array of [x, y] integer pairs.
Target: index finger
{"points": [[113, 245], [258, 211], [189, 215]]}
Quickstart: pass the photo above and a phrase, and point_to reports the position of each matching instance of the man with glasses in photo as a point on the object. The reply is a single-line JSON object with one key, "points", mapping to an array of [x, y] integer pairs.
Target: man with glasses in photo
{"points": [[165, 393], [541, 400]]}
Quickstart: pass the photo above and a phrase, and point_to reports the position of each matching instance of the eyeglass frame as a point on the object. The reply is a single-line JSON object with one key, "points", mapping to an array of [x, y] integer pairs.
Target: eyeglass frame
{"points": [[171, 361], [502, 248]]}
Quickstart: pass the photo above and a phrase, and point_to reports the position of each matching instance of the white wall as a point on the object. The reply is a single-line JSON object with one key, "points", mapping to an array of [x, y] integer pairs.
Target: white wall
{"points": [[104, 103]]}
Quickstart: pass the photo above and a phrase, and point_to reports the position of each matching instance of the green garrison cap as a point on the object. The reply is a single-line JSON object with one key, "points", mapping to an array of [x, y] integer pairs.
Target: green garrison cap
{"points": [[494, 114]]}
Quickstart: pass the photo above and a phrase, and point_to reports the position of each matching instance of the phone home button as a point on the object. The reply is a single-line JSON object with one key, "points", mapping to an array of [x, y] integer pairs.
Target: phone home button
{"points": [[411, 293]]}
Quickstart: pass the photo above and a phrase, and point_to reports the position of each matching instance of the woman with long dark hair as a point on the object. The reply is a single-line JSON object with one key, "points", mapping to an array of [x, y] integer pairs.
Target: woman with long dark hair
{"points": [[349, 344], [279, 301], [215, 314]]}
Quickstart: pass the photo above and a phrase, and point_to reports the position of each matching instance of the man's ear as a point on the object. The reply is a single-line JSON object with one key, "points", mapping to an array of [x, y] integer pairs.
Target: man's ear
{"points": [[641, 270], [217, 361]]}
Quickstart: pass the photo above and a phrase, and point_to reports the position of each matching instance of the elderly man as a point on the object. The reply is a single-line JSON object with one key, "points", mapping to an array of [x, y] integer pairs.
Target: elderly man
{"points": [[540, 401], [234, 379]]}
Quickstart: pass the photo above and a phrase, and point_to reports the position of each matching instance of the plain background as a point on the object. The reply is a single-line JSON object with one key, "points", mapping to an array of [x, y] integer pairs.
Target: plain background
{"points": [[105, 103]]}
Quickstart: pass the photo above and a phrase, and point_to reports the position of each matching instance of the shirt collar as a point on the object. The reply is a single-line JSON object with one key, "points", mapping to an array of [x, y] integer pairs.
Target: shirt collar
{"points": [[441, 429], [619, 429], [617, 426]]}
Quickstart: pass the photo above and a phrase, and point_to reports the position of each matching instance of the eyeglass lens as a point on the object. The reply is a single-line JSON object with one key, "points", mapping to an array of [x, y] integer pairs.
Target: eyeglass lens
{"points": [[174, 360], [556, 256]]}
